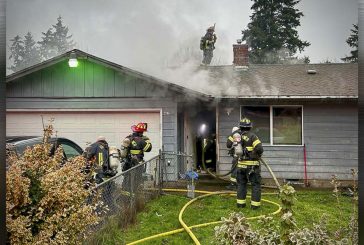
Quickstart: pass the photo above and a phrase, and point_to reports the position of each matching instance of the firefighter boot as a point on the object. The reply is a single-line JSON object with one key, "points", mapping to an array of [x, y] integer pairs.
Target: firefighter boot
{"points": [[241, 205]]}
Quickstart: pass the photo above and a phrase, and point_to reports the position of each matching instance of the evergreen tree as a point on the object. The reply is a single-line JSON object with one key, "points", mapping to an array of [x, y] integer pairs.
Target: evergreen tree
{"points": [[56, 40], [353, 43], [271, 34], [61, 39], [27, 52], [47, 46], [17, 53], [31, 52]]}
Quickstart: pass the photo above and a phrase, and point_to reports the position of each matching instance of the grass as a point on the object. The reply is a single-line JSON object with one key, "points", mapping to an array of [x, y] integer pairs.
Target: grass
{"points": [[161, 215]]}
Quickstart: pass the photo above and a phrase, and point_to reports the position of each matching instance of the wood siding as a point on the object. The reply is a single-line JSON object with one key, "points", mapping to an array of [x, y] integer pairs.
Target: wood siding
{"points": [[330, 135], [89, 79]]}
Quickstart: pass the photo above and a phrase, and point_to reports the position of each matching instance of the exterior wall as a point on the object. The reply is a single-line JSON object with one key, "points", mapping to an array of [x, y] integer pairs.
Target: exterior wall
{"points": [[93, 86], [89, 79], [330, 136]]}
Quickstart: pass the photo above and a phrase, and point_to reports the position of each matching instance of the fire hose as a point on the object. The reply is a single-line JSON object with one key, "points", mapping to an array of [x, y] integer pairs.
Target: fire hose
{"points": [[188, 228], [217, 176]]}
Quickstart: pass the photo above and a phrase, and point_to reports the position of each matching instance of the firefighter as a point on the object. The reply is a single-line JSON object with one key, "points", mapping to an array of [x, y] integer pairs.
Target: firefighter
{"points": [[97, 155], [133, 148], [207, 45], [209, 152], [139, 144], [248, 168], [230, 141]]}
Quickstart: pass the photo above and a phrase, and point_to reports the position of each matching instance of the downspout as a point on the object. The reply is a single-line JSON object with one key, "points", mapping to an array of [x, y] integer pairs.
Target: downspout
{"points": [[305, 164], [217, 140]]}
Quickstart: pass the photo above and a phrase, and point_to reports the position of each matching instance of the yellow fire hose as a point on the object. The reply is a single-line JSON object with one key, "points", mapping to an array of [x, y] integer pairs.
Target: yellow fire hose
{"points": [[188, 228], [207, 194]]}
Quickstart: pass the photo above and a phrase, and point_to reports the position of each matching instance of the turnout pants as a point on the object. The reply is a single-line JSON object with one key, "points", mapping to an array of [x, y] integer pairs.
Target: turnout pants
{"points": [[243, 175], [207, 56]]}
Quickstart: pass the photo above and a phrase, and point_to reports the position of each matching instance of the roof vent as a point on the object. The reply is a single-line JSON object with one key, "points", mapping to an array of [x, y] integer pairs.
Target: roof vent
{"points": [[312, 71]]}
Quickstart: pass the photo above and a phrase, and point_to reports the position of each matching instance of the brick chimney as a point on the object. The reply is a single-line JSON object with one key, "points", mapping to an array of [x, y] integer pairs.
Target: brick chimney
{"points": [[241, 54]]}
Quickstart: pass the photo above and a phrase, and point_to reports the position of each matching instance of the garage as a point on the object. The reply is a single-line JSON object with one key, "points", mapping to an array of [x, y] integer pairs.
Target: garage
{"points": [[98, 97], [84, 126]]}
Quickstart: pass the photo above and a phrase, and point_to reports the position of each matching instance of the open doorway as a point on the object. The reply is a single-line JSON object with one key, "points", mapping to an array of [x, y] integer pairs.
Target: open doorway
{"points": [[205, 139], [197, 136]]}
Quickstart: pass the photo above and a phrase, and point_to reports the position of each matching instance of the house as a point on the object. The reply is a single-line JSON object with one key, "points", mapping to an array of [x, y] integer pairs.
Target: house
{"points": [[97, 97], [305, 114]]}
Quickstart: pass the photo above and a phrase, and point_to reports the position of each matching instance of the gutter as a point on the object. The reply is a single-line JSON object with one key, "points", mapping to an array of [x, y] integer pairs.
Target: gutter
{"points": [[290, 97]]}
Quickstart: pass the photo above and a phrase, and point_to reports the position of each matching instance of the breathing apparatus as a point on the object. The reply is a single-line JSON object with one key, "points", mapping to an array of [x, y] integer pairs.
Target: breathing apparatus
{"points": [[124, 148], [114, 158]]}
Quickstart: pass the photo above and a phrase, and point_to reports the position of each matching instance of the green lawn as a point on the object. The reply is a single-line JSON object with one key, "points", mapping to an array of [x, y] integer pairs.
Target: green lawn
{"points": [[161, 215]]}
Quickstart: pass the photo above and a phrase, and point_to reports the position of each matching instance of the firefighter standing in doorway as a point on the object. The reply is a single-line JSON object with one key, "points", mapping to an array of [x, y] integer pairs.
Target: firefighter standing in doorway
{"points": [[248, 168], [207, 45], [132, 150]]}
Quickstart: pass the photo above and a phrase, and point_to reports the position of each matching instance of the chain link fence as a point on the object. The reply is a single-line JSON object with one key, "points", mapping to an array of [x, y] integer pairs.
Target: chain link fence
{"points": [[126, 193]]}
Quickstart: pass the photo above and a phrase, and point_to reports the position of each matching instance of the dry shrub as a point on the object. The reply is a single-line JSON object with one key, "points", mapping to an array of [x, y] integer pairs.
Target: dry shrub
{"points": [[236, 230], [46, 202]]}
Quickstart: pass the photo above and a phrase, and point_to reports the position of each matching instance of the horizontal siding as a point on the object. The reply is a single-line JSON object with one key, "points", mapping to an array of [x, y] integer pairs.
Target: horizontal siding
{"points": [[330, 137]]}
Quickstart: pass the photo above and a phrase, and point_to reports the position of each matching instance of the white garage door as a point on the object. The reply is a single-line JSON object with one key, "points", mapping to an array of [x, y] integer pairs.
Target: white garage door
{"points": [[84, 127]]}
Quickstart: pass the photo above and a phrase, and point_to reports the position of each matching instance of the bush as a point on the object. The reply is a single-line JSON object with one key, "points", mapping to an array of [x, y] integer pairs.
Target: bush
{"points": [[236, 230], [45, 197]]}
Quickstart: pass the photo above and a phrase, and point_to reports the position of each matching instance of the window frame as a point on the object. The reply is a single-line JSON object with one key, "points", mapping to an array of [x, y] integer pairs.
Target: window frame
{"points": [[271, 123]]}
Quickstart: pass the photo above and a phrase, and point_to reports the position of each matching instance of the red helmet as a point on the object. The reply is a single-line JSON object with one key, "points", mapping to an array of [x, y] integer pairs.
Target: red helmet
{"points": [[140, 127]]}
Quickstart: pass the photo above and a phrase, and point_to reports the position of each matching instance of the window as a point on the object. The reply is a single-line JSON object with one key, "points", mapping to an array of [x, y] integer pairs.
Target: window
{"points": [[69, 151], [287, 125], [276, 125], [259, 115]]}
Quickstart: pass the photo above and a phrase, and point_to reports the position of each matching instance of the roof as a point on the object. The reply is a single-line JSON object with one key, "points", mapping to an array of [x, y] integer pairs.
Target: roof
{"points": [[255, 81], [284, 81], [83, 55]]}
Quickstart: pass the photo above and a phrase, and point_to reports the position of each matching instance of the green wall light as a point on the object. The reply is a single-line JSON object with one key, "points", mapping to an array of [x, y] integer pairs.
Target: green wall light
{"points": [[73, 62]]}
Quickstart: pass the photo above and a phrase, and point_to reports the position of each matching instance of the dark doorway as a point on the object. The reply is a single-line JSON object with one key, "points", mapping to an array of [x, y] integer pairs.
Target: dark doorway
{"points": [[205, 128]]}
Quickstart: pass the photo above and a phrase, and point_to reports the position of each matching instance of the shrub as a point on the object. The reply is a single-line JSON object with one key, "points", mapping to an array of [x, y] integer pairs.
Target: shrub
{"points": [[45, 197], [236, 230]]}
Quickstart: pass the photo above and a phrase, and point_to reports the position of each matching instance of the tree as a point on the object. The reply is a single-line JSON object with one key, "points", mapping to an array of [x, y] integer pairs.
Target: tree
{"points": [[56, 40], [61, 40], [31, 52], [16, 53], [271, 34], [46, 46], [353, 43], [28, 52]]}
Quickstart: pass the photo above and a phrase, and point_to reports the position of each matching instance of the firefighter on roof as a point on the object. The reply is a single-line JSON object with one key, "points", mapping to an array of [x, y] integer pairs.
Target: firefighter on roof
{"points": [[249, 149], [207, 45]]}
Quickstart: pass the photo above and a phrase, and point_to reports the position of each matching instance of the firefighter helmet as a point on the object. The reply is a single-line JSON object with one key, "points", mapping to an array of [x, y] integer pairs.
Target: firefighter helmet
{"points": [[140, 127], [234, 129], [245, 123], [211, 28]]}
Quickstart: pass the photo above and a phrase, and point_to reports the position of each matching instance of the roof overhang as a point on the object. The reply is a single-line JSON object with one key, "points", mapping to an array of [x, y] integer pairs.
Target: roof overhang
{"points": [[291, 97]]}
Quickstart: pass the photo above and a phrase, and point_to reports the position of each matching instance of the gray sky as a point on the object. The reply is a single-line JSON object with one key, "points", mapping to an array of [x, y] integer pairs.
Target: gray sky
{"points": [[146, 34]]}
